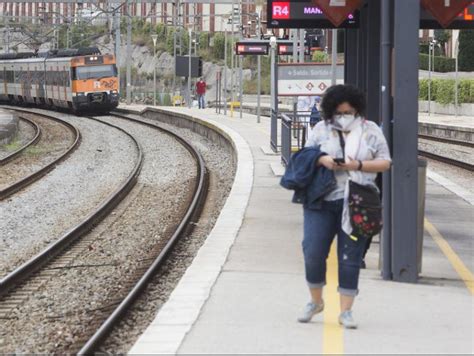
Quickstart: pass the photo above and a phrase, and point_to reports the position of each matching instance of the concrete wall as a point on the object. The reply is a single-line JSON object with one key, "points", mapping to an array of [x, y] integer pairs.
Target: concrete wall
{"points": [[450, 109]]}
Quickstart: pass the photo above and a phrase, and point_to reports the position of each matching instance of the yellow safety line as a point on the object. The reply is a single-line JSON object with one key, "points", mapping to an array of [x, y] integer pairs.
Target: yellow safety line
{"points": [[333, 334], [456, 262]]}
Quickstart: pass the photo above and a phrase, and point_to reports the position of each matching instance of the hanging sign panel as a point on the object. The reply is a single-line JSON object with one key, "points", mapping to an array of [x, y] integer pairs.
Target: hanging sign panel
{"points": [[463, 20], [338, 10], [445, 11], [306, 14], [251, 48], [303, 14], [306, 79]]}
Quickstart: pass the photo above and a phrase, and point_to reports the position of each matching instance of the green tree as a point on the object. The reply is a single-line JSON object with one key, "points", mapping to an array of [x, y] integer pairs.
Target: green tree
{"points": [[466, 50], [442, 36]]}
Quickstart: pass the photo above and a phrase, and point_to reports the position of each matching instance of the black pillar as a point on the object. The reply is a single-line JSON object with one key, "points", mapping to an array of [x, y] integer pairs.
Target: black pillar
{"points": [[386, 31], [405, 140], [350, 56], [373, 62], [362, 35]]}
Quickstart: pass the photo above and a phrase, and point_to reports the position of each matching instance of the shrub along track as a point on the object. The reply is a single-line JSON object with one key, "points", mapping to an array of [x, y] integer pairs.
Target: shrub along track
{"points": [[32, 279], [33, 162]]}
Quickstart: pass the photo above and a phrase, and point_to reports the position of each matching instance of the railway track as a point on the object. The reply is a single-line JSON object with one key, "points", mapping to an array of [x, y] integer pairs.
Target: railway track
{"points": [[33, 177], [447, 140], [191, 214], [28, 278], [444, 159], [36, 137]]}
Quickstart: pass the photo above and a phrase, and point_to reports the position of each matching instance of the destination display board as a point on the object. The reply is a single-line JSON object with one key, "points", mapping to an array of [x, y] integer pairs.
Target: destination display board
{"points": [[306, 79], [302, 14], [251, 48], [285, 49], [305, 14]]}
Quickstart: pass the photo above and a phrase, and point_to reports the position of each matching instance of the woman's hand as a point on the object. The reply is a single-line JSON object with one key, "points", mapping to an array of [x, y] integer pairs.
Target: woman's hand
{"points": [[352, 165], [328, 162]]}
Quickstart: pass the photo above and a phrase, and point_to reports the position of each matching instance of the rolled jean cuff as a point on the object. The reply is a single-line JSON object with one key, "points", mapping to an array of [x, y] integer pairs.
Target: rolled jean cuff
{"points": [[348, 292], [316, 285]]}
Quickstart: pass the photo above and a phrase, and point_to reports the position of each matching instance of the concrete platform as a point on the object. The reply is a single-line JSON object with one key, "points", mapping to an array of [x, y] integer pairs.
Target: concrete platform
{"points": [[447, 126], [258, 286], [8, 126]]}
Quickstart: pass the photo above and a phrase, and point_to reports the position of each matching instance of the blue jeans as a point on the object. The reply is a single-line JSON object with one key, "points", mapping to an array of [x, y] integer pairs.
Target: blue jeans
{"points": [[320, 227], [201, 101]]}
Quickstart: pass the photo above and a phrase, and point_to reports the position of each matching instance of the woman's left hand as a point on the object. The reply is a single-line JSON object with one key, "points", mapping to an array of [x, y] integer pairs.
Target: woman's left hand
{"points": [[352, 165]]}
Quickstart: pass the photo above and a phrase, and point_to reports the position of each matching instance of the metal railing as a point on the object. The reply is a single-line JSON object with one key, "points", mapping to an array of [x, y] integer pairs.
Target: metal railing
{"points": [[274, 131], [294, 133]]}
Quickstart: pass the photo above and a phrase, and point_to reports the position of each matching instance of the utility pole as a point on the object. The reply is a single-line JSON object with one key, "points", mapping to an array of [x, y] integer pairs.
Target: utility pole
{"points": [[117, 36], [190, 33], [129, 54], [259, 73], [241, 91], [154, 37], [225, 68], [232, 55]]}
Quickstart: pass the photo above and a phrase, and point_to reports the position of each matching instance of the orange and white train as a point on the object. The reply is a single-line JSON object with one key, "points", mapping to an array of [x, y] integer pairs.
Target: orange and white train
{"points": [[81, 80]]}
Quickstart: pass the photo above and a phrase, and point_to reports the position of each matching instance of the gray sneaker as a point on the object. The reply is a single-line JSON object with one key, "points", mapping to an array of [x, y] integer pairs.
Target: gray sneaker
{"points": [[309, 311], [346, 320]]}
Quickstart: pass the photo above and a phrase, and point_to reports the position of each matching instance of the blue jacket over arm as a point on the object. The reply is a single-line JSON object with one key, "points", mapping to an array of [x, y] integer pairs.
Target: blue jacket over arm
{"points": [[310, 182]]}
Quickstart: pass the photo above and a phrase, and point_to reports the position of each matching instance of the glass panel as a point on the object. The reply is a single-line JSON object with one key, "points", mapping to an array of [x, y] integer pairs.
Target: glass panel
{"points": [[95, 72]]}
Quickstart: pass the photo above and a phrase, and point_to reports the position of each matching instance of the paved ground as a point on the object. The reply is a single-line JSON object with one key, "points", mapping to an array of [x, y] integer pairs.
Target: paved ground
{"points": [[261, 289], [448, 120]]}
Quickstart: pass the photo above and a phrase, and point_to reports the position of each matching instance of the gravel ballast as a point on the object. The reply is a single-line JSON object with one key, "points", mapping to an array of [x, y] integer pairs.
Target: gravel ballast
{"points": [[25, 133], [219, 162], [64, 310], [55, 139], [45, 210], [450, 150]]}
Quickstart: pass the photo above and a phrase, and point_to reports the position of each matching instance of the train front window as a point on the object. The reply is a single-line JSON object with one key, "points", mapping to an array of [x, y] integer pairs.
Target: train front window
{"points": [[95, 72]]}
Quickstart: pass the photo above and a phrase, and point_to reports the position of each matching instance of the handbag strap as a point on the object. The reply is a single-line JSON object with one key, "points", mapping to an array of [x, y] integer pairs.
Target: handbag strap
{"points": [[342, 142]]}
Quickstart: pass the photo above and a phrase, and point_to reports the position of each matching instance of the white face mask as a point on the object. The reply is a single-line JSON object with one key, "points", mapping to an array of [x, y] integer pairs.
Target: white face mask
{"points": [[345, 121]]}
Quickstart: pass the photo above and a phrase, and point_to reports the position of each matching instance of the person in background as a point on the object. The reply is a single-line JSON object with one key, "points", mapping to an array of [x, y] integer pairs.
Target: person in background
{"points": [[201, 92], [315, 116]]}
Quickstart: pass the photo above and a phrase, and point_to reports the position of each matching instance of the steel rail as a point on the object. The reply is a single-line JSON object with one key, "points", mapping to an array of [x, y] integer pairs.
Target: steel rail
{"points": [[446, 140], [31, 142], [191, 214], [33, 177], [14, 278], [447, 160]]}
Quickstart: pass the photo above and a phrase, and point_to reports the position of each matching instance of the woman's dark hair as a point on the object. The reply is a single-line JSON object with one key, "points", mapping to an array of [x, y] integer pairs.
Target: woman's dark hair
{"points": [[338, 94]]}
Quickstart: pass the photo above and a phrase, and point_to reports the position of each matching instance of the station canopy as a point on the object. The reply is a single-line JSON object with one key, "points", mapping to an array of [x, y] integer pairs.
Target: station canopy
{"points": [[452, 14]]}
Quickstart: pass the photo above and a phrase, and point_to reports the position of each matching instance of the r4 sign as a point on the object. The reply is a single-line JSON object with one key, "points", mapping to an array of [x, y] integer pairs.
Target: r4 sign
{"points": [[445, 11], [281, 10], [338, 10]]}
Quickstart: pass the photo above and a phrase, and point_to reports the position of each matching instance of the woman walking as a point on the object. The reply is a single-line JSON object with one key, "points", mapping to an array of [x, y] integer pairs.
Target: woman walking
{"points": [[354, 149]]}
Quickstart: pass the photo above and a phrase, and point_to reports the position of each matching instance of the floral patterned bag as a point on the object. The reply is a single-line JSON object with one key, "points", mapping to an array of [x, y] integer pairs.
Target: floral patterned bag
{"points": [[365, 210]]}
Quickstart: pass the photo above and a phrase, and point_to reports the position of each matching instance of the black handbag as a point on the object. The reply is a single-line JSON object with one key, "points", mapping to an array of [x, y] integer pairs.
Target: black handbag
{"points": [[365, 208]]}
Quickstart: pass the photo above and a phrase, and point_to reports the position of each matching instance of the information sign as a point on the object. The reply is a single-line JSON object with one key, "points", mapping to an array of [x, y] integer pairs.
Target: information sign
{"points": [[285, 49], [251, 48], [302, 14], [463, 20], [338, 10], [306, 79], [445, 11]]}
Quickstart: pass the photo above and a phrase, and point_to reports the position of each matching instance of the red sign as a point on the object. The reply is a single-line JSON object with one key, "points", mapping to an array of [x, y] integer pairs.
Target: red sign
{"points": [[281, 10], [337, 11], [445, 11]]}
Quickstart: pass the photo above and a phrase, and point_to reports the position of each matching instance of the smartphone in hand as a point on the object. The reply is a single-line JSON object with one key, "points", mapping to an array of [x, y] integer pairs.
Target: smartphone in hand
{"points": [[339, 160]]}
